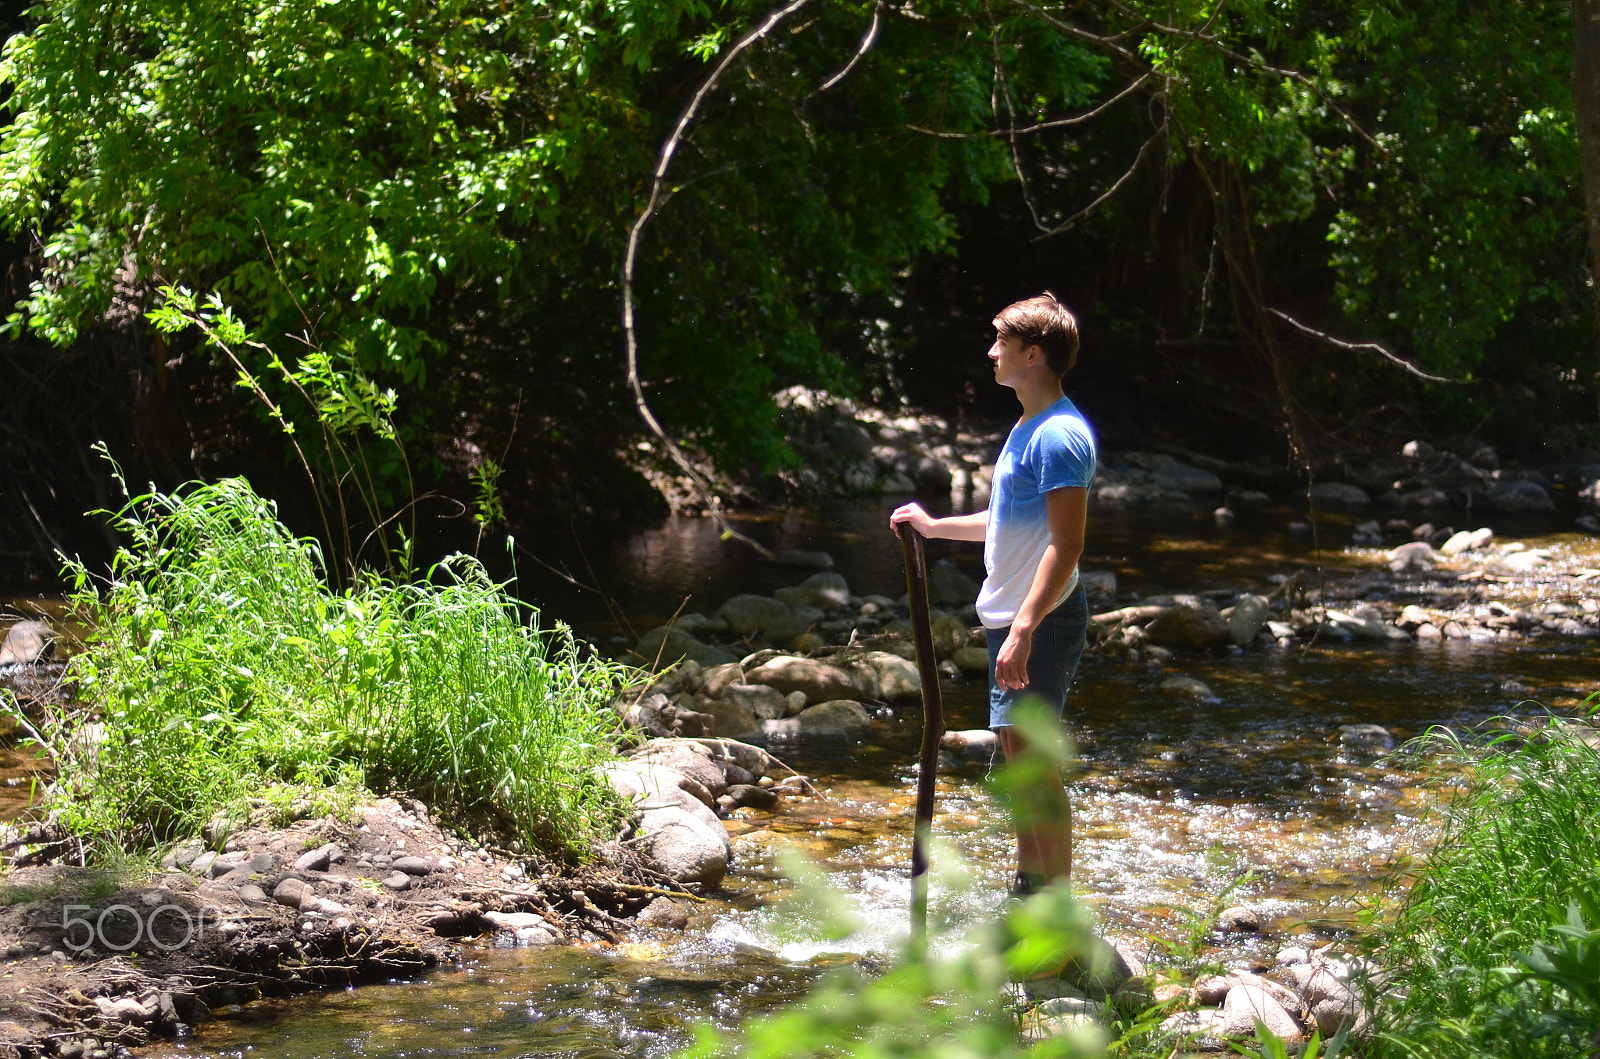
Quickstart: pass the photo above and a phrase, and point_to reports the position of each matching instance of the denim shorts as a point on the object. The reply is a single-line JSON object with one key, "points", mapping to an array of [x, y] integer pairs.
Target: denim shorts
{"points": [[1057, 646]]}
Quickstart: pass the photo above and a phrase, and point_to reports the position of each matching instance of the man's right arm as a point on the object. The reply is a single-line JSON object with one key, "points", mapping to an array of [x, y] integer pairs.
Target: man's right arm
{"points": [[953, 528]]}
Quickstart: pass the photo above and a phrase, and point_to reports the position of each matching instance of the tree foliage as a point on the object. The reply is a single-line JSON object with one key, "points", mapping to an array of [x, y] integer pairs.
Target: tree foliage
{"points": [[437, 196]]}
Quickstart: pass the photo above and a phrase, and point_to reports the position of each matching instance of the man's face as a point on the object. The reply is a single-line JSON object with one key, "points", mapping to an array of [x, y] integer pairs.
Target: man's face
{"points": [[1009, 358]]}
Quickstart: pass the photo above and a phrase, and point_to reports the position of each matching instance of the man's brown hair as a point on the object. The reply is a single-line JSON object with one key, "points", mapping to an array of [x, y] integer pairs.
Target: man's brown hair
{"points": [[1044, 322]]}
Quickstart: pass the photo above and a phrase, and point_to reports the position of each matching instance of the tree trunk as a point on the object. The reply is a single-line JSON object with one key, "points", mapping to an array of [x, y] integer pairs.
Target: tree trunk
{"points": [[1586, 107]]}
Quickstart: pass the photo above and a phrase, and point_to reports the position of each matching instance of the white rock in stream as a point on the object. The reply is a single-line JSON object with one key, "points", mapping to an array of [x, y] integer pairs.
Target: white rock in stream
{"points": [[685, 847], [1247, 1002]]}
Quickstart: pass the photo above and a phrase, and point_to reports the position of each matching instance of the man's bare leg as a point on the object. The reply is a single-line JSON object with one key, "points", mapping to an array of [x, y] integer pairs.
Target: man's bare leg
{"points": [[1044, 824]]}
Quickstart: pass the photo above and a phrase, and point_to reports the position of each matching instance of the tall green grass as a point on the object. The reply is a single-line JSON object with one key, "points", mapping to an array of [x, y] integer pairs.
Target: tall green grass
{"points": [[1520, 845], [222, 665]]}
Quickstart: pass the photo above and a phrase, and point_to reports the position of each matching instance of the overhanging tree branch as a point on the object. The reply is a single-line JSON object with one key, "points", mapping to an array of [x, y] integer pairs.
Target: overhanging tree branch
{"points": [[701, 486], [1359, 347]]}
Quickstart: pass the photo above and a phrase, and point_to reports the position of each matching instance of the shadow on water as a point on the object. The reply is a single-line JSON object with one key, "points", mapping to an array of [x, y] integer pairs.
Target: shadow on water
{"points": [[1175, 799]]}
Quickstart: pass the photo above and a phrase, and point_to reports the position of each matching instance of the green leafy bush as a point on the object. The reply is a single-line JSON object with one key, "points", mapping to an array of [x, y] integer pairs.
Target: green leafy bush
{"points": [[1521, 844], [221, 663]]}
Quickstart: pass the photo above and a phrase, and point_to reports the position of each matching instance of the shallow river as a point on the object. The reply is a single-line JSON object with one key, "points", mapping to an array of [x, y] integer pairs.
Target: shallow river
{"points": [[1175, 800]]}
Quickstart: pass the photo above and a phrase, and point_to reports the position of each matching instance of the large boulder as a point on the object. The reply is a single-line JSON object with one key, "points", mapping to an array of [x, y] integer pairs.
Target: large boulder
{"points": [[639, 781], [686, 757], [1100, 586], [947, 585], [824, 590], [1171, 474], [749, 614], [840, 718], [949, 634], [684, 847], [1339, 494], [898, 678], [1250, 614], [763, 701], [670, 644], [1519, 496], [1191, 623], [733, 719], [1249, 1002], [799, 619], [27, 642], [820, 681]]}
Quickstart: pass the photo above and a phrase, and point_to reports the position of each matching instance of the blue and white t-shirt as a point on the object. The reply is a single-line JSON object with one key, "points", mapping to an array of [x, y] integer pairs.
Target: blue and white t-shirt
{"points": [[1053, 450]]}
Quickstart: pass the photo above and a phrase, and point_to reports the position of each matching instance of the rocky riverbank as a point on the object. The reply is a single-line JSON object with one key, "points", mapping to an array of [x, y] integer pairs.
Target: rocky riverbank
{"points": [[847, 450]]}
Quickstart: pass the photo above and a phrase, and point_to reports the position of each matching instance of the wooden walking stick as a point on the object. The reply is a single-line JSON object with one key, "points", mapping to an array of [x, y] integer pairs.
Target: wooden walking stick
{"points": [[932, 729]]}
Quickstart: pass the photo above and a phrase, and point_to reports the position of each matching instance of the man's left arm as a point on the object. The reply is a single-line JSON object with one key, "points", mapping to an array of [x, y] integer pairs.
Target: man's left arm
{"points": [[1067, 509]]}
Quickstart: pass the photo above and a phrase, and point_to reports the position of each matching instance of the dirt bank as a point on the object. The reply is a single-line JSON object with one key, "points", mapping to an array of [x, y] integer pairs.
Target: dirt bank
{"points": [[94, 962]]}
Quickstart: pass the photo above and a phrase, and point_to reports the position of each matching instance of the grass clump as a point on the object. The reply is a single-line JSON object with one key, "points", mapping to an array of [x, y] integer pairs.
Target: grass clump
{"points": [[1466, 956], [223, 668]]}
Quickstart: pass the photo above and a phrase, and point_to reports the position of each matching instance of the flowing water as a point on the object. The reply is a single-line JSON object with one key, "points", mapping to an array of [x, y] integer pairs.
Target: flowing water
{"points": [[1176, 803]]}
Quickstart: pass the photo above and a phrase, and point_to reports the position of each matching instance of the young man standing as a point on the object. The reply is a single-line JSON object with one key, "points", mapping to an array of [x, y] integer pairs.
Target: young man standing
{"points": [[1031, 604]]}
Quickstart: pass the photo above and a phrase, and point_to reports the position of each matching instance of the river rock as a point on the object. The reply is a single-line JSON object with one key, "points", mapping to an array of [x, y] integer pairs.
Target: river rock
{"points": [[1192, 623], [749, 614], [1466, 541], [763, 701], [1590, 493], [898, 678], [820, 681], [949, 634], [752, 759], [714, 680], [1339, 494], [1180, 477], [1239, 920], [1212, 989], [948, 586], [27, 642], [1182, 687], [318, 859], [1412, 557], [685, 757], [838, 718], [824, 590], [1523, 562], [973, 660], [1250, 613], [1371, 735], [1519, 496], [673, 643], [1248, 1002], [1206, 1022], [796, 557], [787, 630], [1100, 586], [699, 625], [289, 892], [742, 795], [977, 744], [1359, 626], [1099, 970], [663, 913], [683, 847], [525, 928]]}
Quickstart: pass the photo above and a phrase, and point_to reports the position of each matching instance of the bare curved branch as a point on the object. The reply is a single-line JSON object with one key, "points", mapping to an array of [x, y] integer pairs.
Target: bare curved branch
{"points": [[702, 487], [1043, 126], [1138, 160], [1359, 347], [861, 52]]}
